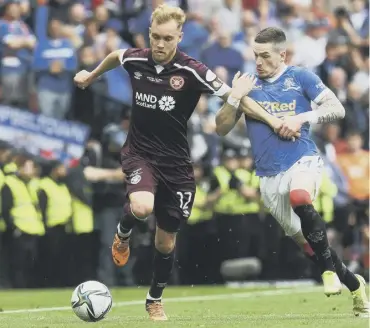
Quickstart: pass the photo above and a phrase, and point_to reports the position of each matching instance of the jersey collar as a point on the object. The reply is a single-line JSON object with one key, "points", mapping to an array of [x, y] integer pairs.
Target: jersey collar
{"points": [[166, 66], [277, 76]]}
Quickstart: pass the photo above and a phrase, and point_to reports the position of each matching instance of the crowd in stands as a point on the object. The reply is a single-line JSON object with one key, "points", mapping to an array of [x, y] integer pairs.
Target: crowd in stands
{"points": [[44, 43]]}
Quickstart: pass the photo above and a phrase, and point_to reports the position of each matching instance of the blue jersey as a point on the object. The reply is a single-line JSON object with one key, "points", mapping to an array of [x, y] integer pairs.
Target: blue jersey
{"points": [[290, 94]]}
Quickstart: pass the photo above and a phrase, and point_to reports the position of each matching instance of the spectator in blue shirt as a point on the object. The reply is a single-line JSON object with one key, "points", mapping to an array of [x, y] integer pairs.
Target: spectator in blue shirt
{"points": [[91, 31], [74, 29], [16, 44], [221, 53], [244, 46], [195, 35], [139, 27], [118, 81], [101, 15], [54, 63], [118, 86]]}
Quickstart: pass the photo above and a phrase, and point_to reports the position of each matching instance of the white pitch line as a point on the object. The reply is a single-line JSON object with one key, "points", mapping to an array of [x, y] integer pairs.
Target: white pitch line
{"points": [[257, 316], [215, 297]]}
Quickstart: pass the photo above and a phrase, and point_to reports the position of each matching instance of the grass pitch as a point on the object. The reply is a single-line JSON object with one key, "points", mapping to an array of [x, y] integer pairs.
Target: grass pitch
{"points": [[212, 307]]}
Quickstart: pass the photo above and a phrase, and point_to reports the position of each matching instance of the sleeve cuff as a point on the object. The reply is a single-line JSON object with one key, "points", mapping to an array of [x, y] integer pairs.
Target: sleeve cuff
{"points": [[321, 95], [222, 91]]}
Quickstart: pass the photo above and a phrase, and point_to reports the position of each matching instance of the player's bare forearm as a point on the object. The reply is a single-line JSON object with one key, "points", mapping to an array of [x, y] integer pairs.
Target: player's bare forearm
{"points": [[252, 109], [95, 174], [229, 115], [226, 118], [237, 103], [329, 109], [116, 175], [110, 62]]}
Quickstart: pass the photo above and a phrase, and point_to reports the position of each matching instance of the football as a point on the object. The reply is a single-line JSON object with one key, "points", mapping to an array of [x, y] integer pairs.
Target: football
{"points": [[91, 301]]}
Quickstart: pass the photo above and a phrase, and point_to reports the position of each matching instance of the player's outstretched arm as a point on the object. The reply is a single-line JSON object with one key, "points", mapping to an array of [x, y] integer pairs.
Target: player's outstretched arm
{"points": [[84, 78], [95, 174], [236, 103], [329, 109], [228, 115]]}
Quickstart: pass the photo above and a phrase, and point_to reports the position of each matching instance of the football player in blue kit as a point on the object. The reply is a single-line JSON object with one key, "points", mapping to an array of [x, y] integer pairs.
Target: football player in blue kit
{"points": [[290, 170]]}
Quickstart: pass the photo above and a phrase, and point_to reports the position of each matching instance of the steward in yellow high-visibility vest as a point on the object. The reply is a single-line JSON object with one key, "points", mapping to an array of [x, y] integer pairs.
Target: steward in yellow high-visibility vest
{"points": [[5, 152], [250, 180], [22, 222], [324, 202], [2, 222], [198, 237], [233, 200], [33, 187], [5, 155], [55, 203], [2, 177], [82, 201], [20, 207], [79, 182], [10, 168], [231, 205], [82, 217], [253, 243], [81, 236], [251, 183], [201, 211], [34, 184], [7, 169]]}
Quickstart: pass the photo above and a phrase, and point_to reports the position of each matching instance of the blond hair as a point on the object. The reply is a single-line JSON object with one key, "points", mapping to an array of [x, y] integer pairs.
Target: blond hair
{"points": [[164, 13]]}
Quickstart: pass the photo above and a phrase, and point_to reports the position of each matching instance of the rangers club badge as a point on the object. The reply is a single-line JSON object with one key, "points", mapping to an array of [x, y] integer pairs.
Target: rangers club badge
{"points": [[177, 82]]}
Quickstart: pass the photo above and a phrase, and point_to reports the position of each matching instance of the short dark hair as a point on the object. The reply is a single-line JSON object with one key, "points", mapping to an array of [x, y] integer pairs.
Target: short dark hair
{"points": [[270, 34]]}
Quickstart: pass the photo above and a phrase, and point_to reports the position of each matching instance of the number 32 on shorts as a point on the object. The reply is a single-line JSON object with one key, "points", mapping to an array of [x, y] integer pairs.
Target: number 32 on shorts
{"points": [[185, 198]]}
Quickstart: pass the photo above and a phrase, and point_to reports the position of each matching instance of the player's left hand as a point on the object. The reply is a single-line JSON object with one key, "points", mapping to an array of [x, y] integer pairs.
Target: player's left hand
{"points": [[242, 85], [290, 127]]}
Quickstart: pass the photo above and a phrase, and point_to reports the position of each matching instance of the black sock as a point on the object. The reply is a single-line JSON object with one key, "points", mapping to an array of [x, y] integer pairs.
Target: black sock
{"points": [[128, 220], [313, 228], [163, 264], [345, 276]]}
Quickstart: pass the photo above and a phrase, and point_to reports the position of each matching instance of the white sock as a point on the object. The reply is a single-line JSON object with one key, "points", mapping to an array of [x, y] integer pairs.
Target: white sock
{"points": [[148, 297], [121, 234]]}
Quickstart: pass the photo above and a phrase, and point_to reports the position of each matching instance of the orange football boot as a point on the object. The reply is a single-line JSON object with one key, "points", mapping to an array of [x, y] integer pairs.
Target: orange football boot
{"points": [[156, 311], [120, 250]]}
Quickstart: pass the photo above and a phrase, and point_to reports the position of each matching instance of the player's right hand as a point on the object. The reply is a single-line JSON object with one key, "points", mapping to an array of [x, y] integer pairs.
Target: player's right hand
{"points": [[242, 85], [291, 126], [283, 131], [83, 79]]}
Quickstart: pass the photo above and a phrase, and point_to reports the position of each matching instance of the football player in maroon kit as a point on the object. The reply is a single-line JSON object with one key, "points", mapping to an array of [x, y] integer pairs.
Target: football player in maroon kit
{"points": [[166, 86]]}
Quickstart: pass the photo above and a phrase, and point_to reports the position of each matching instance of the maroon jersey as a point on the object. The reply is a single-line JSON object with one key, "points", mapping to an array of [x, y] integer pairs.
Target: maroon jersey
{"points": [[164, 97]]}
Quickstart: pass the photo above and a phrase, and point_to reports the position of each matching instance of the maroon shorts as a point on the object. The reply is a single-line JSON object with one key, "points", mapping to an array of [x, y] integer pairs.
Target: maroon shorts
{"points": [[173, 187]]}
